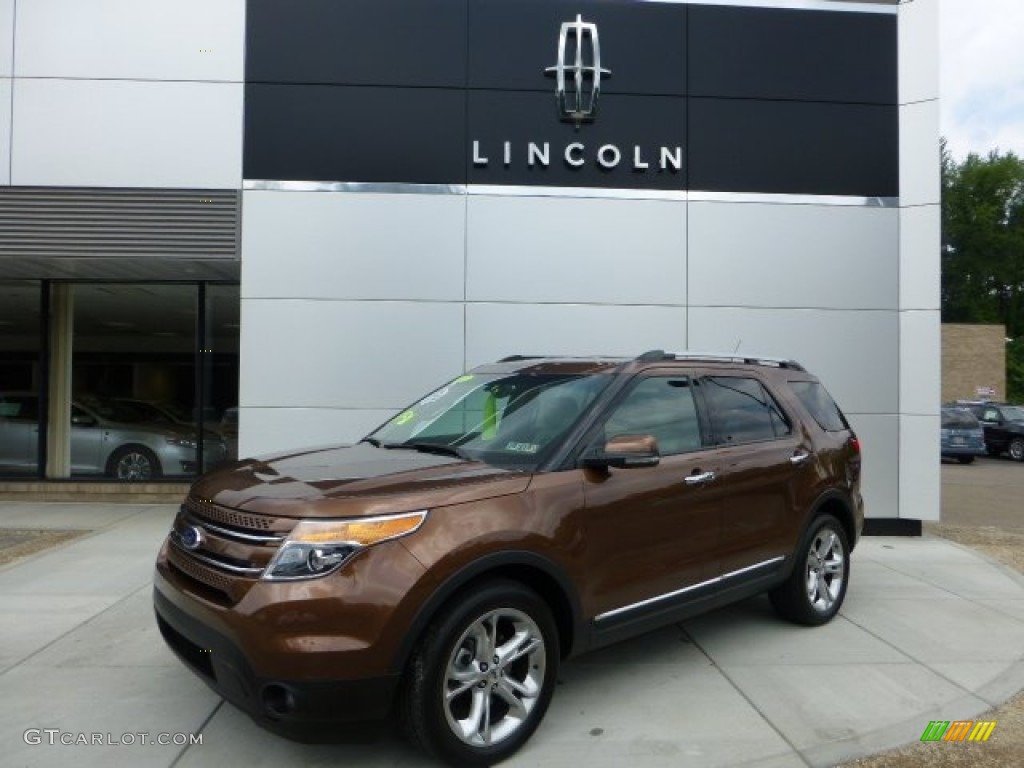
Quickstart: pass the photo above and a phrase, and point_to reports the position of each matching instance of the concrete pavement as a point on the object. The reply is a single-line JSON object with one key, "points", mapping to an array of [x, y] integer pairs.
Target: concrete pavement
{"points": [[929, 631]]}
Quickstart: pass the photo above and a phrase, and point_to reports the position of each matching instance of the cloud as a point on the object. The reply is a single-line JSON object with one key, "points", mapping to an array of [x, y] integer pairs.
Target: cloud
{"points": [[982, 75]]}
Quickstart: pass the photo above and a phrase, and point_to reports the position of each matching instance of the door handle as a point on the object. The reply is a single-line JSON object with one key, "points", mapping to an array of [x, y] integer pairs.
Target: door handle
{"points": [[799, 458], [699, 479]]}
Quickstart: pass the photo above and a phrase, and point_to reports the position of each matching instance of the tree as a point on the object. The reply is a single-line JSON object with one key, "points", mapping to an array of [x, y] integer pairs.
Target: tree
{"points": [[983, 249]]}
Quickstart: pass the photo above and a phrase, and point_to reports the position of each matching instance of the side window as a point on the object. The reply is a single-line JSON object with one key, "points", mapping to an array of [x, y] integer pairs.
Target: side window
{"points": [[991, 414], [742, 411], [19, 407], [662, 407], [820, 405]]}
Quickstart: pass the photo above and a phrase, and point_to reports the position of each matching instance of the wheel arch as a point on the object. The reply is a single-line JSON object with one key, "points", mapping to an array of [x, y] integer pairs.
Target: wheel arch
{"points": [[543, 576], [837, 504]]}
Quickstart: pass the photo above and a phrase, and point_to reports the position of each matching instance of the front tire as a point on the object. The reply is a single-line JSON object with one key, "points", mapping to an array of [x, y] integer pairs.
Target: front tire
{"points": [[815, 589], [482, 677], [133, 464], [1016, 449]]}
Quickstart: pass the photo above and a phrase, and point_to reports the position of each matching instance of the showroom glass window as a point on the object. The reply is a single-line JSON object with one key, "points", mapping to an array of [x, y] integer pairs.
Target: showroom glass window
{"points": [[20, 376]]}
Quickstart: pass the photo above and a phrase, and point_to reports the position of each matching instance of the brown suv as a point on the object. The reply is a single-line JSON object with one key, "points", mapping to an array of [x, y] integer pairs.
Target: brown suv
{"points": [[527, 511]]}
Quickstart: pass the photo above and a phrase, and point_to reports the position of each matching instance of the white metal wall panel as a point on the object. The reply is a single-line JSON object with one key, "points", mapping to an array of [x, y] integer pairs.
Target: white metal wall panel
{"points": [[920, 363], [274, 430], [496, 330], [920, 467], [5, 130], [6, 38], [336, 245], [751, 255], [598, 251], [108, 133], [918, 51], [131, 39], [880, 475], [344, 354], [920, 267], [854, 352], [920, 169]]}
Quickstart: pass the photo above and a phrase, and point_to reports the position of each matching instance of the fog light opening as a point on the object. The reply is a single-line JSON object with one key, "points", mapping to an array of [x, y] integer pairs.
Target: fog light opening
{"points": [[278, 700]]}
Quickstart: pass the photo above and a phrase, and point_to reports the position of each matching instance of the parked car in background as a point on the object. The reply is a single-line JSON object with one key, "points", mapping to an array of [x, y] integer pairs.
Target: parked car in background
{"points": [[163, 413], [1003, 425], [107, 437], [529, 510], [962, 436]]}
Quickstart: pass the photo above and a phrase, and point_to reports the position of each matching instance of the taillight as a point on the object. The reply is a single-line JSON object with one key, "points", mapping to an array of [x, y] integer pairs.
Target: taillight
{"points": [[855, 444]]}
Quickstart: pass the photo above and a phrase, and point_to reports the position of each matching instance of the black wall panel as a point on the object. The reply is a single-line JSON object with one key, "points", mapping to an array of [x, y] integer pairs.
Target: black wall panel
{"points": [[511, 42], [341, 133], [761, 100], [650, 122], [357, 42], [794, 147], [764, 53]]}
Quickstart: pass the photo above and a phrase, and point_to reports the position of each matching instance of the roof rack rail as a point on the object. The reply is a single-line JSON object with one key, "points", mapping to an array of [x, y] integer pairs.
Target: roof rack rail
{"points": [[517, 358], [779, 362], [655, 354]]}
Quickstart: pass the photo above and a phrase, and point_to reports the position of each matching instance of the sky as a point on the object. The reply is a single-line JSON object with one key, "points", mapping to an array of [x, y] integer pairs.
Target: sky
{"points": [[981, 70]]}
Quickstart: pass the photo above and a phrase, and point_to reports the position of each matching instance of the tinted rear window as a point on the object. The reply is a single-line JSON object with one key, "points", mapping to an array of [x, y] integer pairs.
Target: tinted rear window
{"points": [[953, 418], [820, 404], [743, 411]]}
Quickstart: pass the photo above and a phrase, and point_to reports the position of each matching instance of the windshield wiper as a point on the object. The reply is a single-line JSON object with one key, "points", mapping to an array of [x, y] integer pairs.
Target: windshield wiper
{"points": [[372, 441], [443, 450]]}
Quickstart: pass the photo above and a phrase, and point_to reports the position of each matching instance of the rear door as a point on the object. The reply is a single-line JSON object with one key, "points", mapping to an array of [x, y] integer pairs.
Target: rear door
{"points": [[762, 458]]}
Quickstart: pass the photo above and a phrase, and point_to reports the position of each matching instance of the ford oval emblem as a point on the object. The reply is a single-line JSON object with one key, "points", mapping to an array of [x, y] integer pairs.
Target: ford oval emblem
{"points": [[192, 537]]}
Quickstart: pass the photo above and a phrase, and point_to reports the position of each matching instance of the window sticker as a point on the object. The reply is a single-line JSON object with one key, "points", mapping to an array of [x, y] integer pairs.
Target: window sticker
{"points": [[464, 378], [522, 447], [404, 418], [434, 396]]}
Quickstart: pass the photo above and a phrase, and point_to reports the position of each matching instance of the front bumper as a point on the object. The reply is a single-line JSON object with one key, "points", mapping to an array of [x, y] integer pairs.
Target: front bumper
{"points": [[297, 709]]}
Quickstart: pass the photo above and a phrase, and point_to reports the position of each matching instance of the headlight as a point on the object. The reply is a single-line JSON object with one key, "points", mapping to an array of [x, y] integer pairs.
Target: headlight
{"points": [[318, 547], [182, 442]]}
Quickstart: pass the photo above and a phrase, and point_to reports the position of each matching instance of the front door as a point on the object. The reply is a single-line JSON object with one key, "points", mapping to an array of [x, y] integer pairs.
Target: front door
{"points": [[651, 531]]}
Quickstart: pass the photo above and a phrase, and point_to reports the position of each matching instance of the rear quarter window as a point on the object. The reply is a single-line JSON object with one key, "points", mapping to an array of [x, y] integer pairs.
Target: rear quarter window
{"points": [[819, 403]]}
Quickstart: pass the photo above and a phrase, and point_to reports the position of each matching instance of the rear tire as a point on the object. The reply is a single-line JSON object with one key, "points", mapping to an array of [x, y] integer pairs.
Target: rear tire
{"points": [[1016, 449], [815, 589], [965, 459], [481, 678]]}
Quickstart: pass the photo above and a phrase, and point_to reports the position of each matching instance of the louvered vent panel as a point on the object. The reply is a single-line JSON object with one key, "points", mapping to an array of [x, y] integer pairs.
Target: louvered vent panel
{"points": [[187, 223]]}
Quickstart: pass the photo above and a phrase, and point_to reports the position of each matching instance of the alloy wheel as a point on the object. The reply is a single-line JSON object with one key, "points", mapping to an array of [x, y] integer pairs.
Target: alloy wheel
{"points": [[494, 677], [825, 570]]}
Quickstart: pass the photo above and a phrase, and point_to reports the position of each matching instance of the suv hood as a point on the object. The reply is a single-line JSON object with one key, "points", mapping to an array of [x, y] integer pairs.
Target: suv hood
{"points": [[353, 481]]}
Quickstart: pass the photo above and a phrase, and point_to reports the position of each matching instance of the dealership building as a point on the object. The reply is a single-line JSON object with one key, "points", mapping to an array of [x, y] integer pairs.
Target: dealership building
{"points": [[306, 213]]}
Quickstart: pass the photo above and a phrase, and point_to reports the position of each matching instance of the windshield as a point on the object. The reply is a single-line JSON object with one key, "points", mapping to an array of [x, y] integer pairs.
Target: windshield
{"points": [[512, 420]]}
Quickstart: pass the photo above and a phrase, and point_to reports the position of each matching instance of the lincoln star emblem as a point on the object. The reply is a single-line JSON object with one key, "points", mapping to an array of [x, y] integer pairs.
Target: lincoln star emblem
{"points": [[192, 537], [577, 102]]}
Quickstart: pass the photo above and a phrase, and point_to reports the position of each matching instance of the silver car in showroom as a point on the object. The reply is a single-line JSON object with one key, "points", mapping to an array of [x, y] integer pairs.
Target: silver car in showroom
{"points": [[107, 438]]}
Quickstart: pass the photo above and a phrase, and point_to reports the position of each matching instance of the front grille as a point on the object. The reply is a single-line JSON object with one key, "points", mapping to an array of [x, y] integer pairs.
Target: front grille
{"points": [[230, 550], [199, 572], [227, 516]]}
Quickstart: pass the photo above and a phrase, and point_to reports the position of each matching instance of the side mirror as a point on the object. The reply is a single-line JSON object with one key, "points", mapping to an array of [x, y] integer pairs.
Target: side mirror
{"points": [[626, 452]]}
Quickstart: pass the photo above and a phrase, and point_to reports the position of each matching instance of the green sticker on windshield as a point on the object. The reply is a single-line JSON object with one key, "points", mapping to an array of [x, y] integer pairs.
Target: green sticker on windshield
{"points": [[463, 379], [404, 418]]}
